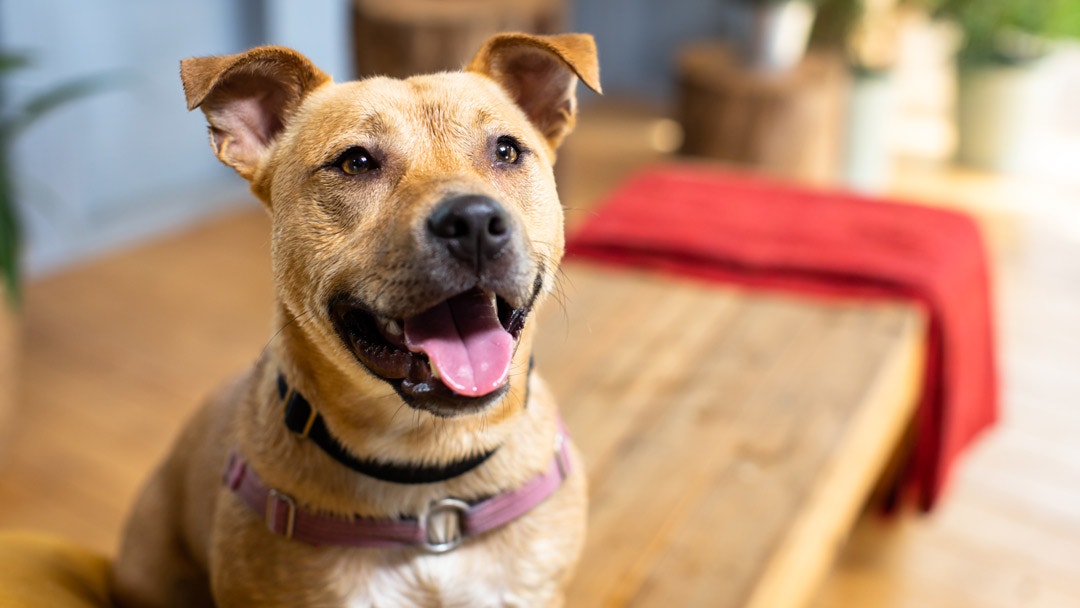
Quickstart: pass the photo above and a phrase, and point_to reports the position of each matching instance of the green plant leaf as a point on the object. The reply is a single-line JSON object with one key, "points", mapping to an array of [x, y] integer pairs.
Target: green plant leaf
{"points": [[10, 128], [43, 103], [1010, 31], [9, 62], [10, 241]]}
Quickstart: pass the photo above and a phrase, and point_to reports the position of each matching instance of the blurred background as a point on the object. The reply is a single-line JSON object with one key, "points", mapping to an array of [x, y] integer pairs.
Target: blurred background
{"points": [[966, 104], [882, 84]]}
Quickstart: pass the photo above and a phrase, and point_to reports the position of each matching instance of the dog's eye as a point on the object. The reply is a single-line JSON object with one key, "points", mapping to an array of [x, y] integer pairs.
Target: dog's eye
{"points": [[507, 150], [356, 161]]}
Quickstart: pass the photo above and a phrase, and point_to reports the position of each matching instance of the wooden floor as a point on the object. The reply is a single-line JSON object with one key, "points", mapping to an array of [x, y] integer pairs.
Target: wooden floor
{"points": [[1007, 534]]}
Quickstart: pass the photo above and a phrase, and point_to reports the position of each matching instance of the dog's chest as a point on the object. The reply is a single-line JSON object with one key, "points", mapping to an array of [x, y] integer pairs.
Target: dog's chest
{"points": [[444, 581], [486, 574]]}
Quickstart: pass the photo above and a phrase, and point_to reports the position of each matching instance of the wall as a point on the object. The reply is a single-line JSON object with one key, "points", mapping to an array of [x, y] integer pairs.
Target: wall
{"points": [[133, 162], [639, 40]]}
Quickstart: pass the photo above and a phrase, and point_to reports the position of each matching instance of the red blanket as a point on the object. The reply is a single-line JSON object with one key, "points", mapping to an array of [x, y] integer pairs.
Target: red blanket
{"points": [[749, 231]]}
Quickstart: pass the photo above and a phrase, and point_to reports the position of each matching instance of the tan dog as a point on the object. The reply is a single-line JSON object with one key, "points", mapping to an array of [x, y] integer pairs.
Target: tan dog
{"points": [[415, 227]]}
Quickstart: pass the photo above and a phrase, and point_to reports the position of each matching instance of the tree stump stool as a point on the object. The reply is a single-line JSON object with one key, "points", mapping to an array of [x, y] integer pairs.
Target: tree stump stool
{"points": [[400, 38], [787, 124]]}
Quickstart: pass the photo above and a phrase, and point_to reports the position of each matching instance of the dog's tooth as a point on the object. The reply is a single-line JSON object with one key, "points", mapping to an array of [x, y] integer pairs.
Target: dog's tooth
{"points": [[392, 327]]}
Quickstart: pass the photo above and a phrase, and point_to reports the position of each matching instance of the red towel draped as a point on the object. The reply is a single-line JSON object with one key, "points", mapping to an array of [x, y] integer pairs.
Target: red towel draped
{"points": [[749, 231]]}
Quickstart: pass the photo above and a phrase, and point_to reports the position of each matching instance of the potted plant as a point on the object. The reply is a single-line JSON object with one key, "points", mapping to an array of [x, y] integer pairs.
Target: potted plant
{"points": [[14, 120], [776, 32], [997, 92], [866, 34]]}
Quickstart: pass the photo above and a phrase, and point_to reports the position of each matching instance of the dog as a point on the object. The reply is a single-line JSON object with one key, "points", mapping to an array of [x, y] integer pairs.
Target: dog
{"points": [[392, 446]]}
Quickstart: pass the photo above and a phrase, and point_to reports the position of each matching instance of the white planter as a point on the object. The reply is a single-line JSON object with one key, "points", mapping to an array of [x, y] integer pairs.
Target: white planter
{"points": [[996, 111], [776, 34], [868, 132]]}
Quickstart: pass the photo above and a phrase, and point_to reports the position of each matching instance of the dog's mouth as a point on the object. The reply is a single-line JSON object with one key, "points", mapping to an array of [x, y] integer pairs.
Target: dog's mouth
{"points": [[452, 358]]}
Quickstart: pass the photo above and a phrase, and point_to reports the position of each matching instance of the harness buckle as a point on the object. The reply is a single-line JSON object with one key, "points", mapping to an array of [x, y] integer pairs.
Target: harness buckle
{"points": [[299, 415], [275, 501], [562, 459], [448, 531]]}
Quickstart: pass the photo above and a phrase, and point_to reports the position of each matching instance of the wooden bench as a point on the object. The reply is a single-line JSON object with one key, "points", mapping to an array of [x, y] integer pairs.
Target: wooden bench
{"points": [[731, 437]]}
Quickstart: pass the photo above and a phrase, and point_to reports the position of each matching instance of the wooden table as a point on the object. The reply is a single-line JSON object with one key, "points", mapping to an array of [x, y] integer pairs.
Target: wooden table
{"points": [[730, 437]]}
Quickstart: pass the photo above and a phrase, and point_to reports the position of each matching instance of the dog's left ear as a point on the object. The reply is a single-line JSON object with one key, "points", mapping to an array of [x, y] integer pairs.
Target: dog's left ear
{"points": [[540, 73], [247, 99]]}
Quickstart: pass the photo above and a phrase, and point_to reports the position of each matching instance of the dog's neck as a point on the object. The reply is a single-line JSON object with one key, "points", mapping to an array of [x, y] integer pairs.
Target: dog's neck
{"points": [[304, 420]]}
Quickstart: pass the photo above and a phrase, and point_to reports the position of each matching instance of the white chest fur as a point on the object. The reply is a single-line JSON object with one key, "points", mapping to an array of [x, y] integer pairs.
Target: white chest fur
{"points": [[467, 578]]}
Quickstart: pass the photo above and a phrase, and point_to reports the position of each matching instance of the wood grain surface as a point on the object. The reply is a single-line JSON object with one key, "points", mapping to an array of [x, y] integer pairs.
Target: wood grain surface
{"points": [[731, 437]]}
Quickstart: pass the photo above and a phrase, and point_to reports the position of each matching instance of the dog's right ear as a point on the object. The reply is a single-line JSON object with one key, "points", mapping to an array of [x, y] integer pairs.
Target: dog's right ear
{"points": [[247, 99], [540, 74]]}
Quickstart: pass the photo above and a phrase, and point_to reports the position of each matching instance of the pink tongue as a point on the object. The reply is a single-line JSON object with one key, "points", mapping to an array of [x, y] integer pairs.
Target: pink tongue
{"points": [[465, 342]]}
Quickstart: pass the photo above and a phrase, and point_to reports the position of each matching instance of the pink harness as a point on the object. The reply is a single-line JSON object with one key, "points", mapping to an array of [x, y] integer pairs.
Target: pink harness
{"points": [[286, 518]]}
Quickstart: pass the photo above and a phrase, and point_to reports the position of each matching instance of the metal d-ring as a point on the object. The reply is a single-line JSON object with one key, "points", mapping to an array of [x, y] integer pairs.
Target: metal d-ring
{"points": [[459, 508]]}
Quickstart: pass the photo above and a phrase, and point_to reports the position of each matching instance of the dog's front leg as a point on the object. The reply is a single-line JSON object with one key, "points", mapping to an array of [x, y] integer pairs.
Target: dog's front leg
{"points": [[153, 568], [252, 567]]}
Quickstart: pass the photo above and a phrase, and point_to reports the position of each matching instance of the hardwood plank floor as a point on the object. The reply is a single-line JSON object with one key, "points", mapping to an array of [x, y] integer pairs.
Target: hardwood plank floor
{"points": [[101, 400]]}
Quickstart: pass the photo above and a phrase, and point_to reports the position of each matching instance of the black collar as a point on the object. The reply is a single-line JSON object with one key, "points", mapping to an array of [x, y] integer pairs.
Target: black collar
{"points": [[303, 420]]}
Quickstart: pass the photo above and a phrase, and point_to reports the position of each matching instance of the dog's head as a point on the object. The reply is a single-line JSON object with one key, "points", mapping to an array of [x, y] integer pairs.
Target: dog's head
{"points": [[415, 222]]}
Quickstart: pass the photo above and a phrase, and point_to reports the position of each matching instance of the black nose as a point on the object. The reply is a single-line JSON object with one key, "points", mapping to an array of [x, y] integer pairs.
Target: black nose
{"points": [[474, 228]]}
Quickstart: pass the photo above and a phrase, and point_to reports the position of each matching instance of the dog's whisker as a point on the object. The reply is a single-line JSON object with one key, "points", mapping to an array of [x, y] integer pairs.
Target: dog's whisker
{"points": [[398, 411], [484, 423], [562, 283], [294, 319]]}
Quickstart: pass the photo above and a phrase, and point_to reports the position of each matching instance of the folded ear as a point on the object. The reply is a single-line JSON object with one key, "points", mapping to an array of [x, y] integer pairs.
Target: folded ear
{"points": [[247, 99], [540, 73]]}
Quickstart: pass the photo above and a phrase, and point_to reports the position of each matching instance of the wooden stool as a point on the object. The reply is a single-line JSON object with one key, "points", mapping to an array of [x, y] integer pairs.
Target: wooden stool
{"points": [[406, 37], [787, 124]]}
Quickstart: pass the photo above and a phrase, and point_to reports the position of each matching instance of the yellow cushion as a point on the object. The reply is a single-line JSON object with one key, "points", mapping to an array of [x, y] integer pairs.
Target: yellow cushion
{"points": [[40, 570]]}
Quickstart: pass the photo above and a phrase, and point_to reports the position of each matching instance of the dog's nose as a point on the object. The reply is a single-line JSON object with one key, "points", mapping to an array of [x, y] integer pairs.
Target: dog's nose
{"points": [[474, 228]]}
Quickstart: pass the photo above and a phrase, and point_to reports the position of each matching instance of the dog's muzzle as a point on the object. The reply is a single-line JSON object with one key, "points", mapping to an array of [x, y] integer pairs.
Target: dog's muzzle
{"points": [[461, 307], [451, 359]]}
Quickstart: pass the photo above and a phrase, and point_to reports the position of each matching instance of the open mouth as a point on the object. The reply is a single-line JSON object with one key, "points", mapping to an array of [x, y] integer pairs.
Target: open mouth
{"points": [[452, 358]]}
